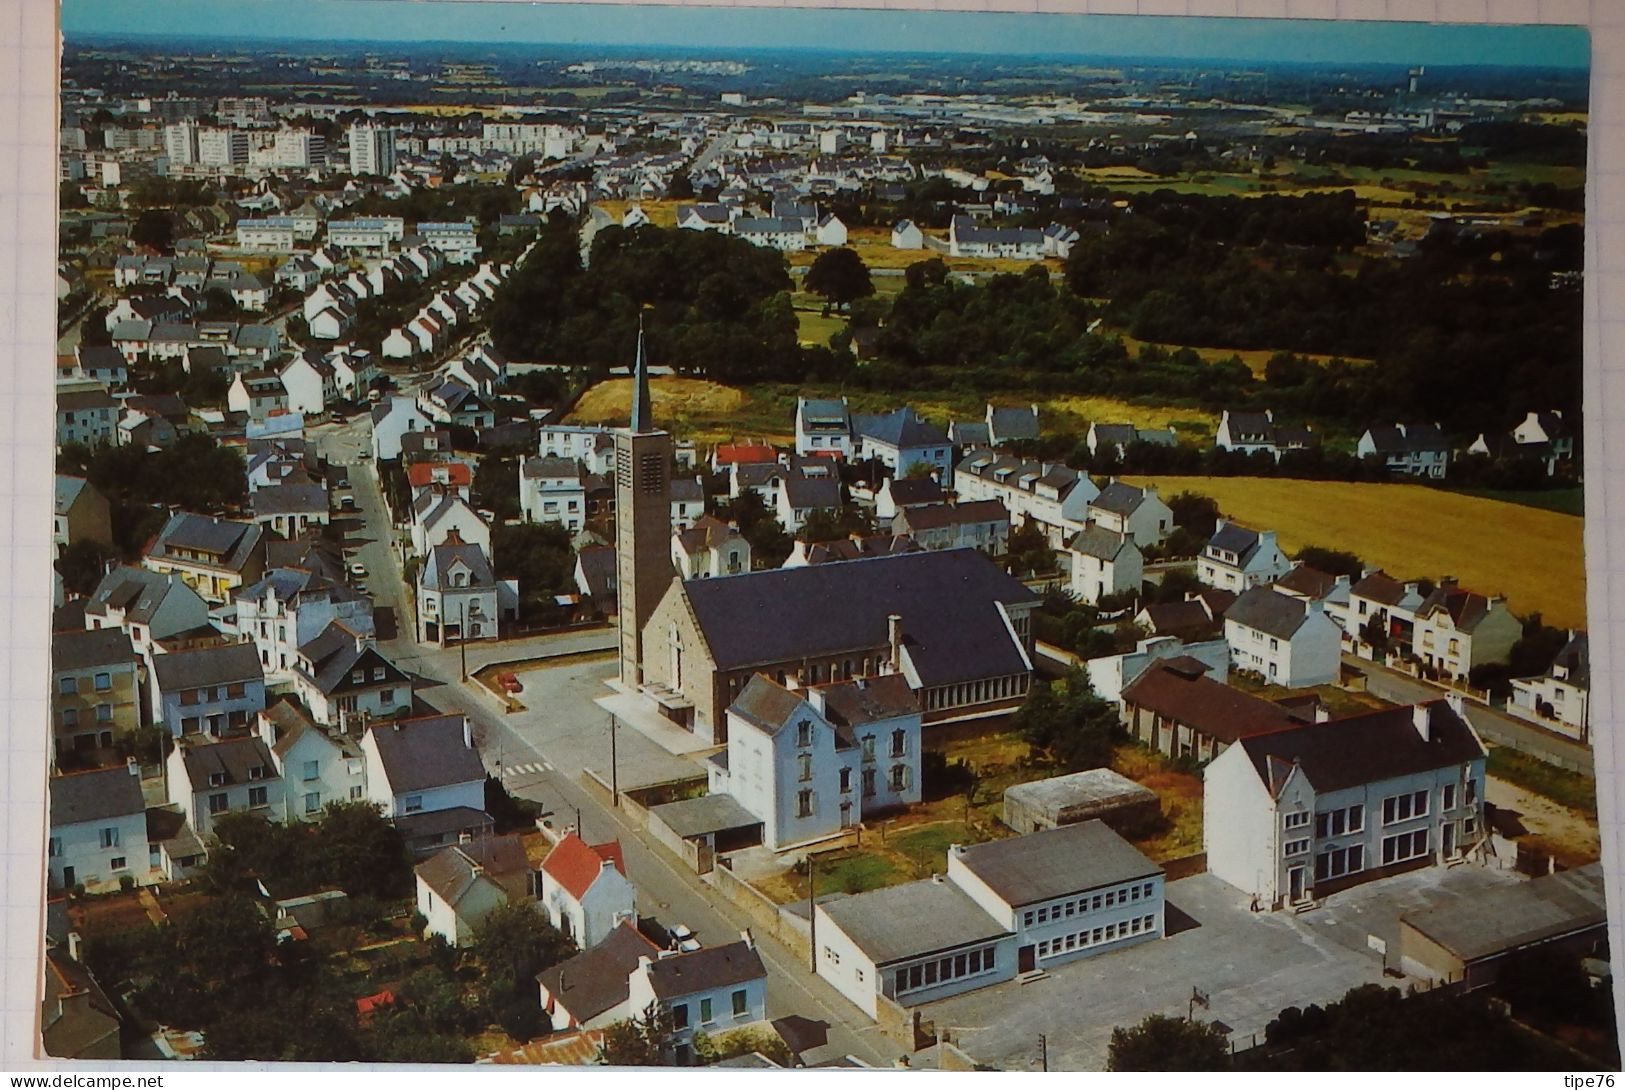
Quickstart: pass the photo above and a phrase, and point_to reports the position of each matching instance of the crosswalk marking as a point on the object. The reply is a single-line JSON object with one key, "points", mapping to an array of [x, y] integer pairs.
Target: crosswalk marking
{"points": [[534, 768]]}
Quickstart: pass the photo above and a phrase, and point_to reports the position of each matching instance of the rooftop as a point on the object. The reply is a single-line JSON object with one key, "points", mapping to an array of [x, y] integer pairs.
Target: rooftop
{"points": [[911, 920], [1055, 862]]}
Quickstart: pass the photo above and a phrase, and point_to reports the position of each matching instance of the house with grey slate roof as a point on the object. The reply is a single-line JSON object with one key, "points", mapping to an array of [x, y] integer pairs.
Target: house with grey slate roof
{"points": [[1457, 629], [208, 690], [456, 593], [212, 556], [427, 775], [1236, 558], [1283, 638], [823, 425], [1418, 450], [899, 440], [210, 777], [347, 682], [98, 829], [713, 989], [1295, 815], [1559, 699], [1104, 562]]}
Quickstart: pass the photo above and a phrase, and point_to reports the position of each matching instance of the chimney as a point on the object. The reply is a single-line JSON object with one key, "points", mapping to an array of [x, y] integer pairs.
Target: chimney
{"points": [[644, 962], [1323, 714], [748, 939], [955, 850], [894, 638], [468, 734], [1422, 720], [1413, 588], [395, 726], [133, 767], [1457, 703], [1266, 539], [465, 837]]}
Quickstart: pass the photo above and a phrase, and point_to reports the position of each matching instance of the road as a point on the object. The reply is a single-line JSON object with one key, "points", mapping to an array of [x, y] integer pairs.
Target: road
{"points": [[1493, 726], [555, 744], [708, 154]]}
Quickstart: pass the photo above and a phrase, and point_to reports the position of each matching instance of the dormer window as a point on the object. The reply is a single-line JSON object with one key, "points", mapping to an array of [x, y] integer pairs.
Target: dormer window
{"points": [[256, 772], [217, 779]]}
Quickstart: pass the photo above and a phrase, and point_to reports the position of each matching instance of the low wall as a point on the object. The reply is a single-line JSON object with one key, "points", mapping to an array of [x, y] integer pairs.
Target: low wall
{"points": [[903, 1026], [791, 930], [1184, 867]]}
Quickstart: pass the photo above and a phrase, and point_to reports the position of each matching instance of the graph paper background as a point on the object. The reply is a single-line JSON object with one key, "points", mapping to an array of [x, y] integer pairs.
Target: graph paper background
{"points": [[28, 185]]}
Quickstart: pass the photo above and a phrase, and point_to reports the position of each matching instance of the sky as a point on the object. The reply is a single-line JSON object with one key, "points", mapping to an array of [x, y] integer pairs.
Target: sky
{"points": [[1243, 40]]}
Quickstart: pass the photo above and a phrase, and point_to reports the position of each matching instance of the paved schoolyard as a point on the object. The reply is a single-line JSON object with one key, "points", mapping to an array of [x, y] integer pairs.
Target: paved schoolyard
{"points": [[1249, 965]]}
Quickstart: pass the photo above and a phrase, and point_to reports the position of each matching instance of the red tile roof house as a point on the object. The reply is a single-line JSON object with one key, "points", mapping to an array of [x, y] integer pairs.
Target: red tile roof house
{"points": [[585, 892], [728, 454]]}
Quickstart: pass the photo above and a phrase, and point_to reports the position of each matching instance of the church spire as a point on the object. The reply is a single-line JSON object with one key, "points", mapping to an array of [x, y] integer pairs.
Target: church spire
{"points": [[642, 414]]}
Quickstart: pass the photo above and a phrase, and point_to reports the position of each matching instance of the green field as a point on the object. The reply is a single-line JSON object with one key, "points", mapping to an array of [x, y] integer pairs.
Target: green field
{"points": [[1566, 788], [1565, 501]]}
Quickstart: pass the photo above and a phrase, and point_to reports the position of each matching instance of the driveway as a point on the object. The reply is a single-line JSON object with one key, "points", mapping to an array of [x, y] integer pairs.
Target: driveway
{"points": [[1248, 965]]}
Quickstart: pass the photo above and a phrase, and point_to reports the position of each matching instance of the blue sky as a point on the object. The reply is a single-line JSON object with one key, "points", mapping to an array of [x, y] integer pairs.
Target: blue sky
{"points": [[1244, 40]]}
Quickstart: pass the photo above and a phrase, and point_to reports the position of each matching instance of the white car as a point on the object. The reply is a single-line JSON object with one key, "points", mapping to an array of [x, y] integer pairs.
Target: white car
{"points": [[358, 569], [682, 938]]}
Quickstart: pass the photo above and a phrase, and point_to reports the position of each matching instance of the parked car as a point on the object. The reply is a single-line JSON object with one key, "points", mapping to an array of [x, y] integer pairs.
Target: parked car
{"points": [[683, 939], [347, 503], [358, 569], [509, 683]]}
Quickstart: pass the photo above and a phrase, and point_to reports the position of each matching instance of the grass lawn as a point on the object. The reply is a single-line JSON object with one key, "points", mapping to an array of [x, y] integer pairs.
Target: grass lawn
{"points": [[1256, 359], [816, 327], [1563, 787], [1533, 557], [1339, 701], [1565, 501]]}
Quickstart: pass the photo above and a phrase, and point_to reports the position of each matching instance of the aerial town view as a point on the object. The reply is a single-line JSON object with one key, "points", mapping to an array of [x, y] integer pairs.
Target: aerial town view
{"points": [[782, 539]]}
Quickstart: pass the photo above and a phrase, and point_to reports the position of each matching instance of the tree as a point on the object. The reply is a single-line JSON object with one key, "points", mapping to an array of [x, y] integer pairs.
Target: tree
{"points": [[155, 228], [1195, 512], [82, 564], [840, 276], [1332, 561], [639, 1042], [1161, 1043], [1074, 726], [515, 942], [918, 470]]}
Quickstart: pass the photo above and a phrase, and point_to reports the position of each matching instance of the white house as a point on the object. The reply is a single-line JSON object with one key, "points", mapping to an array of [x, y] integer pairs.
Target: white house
{"points": [[590, 990], [1053, 497], [1236, 558], [258, 395], [437, 513], [810, 763], [1314, 585], [1382, 615], [311, 383], [1138, 512], [1260, 432], [148, 606], [316, 767], [1288, 640], [459, 885], [1419, 450], [207, 778], [714, 989], [456, 594], [288, 608], [591, 444], [804, 491], [830, 231], [423, 765], [553, 490], [1104, 562], [983, 525], [1559, 698], [249, 292], [823, 425], [687, 495], [392, 418], [709, 549], [906, 236], [899, 440], [98, 829], [1109, 674], [347, 682], [331, 323], [1295, 815], [1458, 629], [584, 890]]}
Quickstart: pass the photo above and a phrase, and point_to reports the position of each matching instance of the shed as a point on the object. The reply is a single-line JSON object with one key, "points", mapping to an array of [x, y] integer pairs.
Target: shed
{"points": [[1098, 793]]}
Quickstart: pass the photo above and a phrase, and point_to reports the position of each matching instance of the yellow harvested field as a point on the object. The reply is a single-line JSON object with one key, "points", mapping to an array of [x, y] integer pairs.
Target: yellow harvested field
{"points": [[691, 407], [1534, 557], [661, 213], [1108, 410], [1256, 359], [1113, 172]]}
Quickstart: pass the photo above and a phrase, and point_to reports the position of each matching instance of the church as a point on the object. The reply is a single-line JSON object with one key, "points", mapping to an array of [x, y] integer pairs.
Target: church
{"points": [[953, 623]]}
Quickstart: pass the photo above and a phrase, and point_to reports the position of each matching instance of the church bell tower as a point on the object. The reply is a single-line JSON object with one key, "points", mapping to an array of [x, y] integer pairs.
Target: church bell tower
{"points": [[643, 567]]}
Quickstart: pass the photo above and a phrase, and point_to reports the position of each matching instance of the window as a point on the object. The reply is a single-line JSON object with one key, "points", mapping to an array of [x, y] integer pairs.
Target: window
{"points": [[1099, 933], [109, 836], [256, 796], [1028, 917], [1111, 899], [1472, 792], [378, 673], [256, 772], [846, 781], [899, 777], [1068, 911], [1097, 902], [412, 804], [804, 733], [1295, 820], [1149, 887], [1447, 797], [1111, 932], [804, 762], [1356, 817], [898, 741], [868, 783], [104, 713], [1398, 849], [679, 1015], [69, 686], [70, 717], [1295, 847], [217, 803], [355, 792], [705, 1012], [1404, 807], [104, 682], [357, 676], [868, 747], [313, 770], [1043, 915], [1134, 893], [739, 1002], [1148, 923], [313, 802], [804, 803], [118, 862]]}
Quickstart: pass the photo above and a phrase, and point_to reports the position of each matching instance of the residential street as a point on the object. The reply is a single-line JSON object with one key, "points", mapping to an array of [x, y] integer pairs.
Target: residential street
{"points": [[1493, 726], [540, 754]]}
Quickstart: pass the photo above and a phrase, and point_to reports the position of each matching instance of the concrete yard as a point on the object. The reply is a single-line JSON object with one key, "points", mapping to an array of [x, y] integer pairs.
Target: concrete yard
{"points": [[1249, 965]]}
